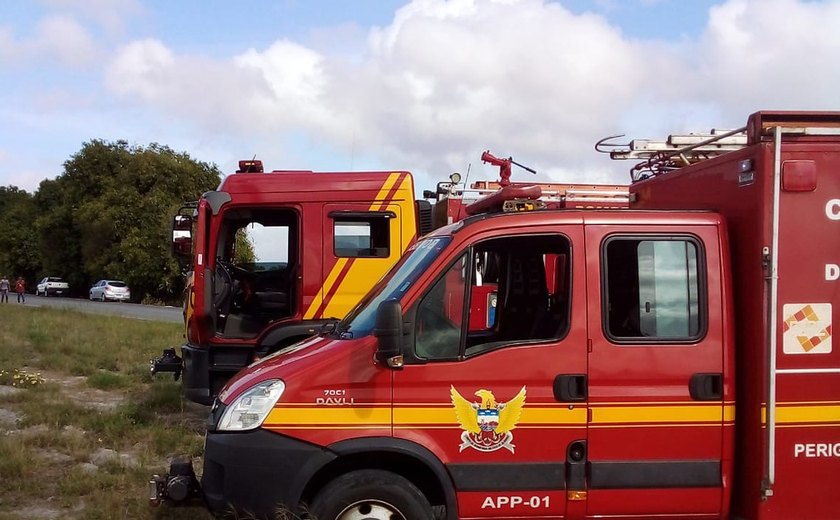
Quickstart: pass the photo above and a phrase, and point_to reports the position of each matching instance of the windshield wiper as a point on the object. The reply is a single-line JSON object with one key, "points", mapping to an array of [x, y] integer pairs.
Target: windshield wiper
{"points": [[343, 330], [328, 327]]}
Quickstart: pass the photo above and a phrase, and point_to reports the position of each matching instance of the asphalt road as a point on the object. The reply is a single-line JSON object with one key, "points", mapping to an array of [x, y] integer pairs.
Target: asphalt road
{"points": [[128, 310]]}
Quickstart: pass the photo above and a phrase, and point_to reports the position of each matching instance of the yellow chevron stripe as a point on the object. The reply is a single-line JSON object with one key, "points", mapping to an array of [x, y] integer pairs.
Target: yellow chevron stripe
{"points": [[325, 289], [409, 225], [367, 281], [365, 272], [379, 201]]}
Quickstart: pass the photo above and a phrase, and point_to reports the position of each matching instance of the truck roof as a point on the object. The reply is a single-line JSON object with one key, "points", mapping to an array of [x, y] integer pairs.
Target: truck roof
{"points": [[286, 181], [549, 217]]}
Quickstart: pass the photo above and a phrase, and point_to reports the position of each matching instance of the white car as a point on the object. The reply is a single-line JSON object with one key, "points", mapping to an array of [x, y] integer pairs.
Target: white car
{"points": [[52, 286], [110, 290]]}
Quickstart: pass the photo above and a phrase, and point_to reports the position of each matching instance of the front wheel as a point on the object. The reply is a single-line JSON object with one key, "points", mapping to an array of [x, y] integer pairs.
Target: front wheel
{"points": [[371, 495]]}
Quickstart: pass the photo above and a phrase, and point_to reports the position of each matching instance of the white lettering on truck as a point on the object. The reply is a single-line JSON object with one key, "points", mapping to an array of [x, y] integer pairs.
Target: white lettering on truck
{"points": [[832, 209], [832, 272], [816, 450], [515, 501]]}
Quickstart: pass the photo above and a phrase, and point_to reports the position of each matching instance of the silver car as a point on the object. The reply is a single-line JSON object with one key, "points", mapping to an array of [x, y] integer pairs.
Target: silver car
{"points": [[115, 290]]}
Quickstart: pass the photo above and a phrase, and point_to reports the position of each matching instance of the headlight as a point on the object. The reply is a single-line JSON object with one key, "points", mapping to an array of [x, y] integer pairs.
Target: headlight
{"points": [[250, 409]]}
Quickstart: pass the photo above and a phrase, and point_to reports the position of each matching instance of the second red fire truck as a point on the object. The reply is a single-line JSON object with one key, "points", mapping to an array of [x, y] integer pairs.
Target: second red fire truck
{"points": [[673, 359], [316, 242]]}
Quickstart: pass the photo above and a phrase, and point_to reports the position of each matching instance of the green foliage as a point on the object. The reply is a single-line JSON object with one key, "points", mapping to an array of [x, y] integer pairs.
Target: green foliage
{"points": [[243, 247], [109, 215], [106, 380], [18, 238]]}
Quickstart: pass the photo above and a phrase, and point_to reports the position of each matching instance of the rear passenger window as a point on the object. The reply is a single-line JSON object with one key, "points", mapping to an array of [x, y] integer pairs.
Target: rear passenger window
{"points": [[362, 234], [653, 289]]}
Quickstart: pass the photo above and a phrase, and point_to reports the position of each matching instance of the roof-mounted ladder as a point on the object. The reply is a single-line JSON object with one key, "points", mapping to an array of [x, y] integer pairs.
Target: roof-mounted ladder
{"points": [[678, 150]]}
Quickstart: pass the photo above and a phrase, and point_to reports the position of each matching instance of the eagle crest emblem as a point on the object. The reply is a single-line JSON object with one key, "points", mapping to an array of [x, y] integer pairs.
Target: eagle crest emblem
{"points": [[487, 425]]}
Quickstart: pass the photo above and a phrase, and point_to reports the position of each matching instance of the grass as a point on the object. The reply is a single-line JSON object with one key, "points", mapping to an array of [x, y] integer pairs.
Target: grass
{"points": [[83, 425]]}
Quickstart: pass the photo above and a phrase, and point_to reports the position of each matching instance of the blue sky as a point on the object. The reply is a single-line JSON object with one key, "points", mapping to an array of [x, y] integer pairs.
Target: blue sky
{"points": [[424, 85]]}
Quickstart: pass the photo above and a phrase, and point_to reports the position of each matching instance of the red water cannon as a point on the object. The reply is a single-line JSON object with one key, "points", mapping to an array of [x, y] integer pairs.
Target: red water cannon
{"points": [[504, 166]]}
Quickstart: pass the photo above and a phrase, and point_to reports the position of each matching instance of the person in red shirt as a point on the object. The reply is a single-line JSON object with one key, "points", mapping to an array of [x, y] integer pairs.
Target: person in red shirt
{"points": [[20, 289]]}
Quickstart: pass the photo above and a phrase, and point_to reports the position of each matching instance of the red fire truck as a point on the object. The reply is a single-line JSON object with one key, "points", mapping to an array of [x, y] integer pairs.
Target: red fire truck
{"points": [[318, 241], [673, 359]]}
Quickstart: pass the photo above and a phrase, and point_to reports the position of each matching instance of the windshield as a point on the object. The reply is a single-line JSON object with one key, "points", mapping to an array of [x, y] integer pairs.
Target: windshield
{"points": [[393, 286]]}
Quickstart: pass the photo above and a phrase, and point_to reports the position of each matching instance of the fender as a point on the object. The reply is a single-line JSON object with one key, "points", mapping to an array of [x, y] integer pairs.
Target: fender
{"points": [[388, 445]]}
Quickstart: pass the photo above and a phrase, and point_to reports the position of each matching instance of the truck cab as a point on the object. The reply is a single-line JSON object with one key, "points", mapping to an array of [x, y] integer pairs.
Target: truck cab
{"points": [[276, 256], [548, 410]]}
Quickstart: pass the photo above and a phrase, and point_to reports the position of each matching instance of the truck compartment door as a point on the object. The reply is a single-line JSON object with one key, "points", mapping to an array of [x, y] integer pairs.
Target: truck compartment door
{"points": [[361, 242], [655, 385]]}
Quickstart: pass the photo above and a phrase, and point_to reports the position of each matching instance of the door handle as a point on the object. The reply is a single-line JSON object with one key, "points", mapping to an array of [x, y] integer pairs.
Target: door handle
{"points": [[706, 387], [570, 388]]}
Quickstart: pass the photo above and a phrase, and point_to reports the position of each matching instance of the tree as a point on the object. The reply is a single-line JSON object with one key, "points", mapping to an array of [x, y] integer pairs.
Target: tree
{"points": [[18, 238], [109, 215]]}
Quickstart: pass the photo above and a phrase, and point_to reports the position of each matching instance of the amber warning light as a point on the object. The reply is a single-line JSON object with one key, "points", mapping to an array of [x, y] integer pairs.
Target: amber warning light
{"points": [[250, 166]]}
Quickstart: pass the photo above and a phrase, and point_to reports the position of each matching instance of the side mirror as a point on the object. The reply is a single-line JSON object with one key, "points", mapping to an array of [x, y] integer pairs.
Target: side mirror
{"points": [[389, 332], [182, 223], [182, 236]]}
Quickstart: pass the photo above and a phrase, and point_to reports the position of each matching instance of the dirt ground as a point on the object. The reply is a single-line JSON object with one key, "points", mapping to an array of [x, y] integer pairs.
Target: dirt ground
{"points": [[57, 461]]}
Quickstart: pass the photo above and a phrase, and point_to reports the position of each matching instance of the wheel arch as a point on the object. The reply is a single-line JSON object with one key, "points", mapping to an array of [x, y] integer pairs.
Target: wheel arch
{"points": [[408, 459]]}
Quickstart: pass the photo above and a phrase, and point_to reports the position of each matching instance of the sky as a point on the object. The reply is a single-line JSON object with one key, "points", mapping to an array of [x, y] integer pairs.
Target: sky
{"points": [[421, 85]]}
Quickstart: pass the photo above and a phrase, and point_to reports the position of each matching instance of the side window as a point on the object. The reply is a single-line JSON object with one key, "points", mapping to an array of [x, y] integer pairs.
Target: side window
{"points": [[266, 246], [504, 291], [362, 234], [652, 289], [258, 241], [440, 315]]}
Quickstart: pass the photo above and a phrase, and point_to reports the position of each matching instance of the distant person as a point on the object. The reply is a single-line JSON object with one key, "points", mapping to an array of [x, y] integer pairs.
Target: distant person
{"points": [[4, 290], [20, 289]]}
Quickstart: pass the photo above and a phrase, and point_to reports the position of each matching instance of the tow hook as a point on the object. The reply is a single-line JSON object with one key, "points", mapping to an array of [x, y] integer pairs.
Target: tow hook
{"points": [[177, 486], [168, 362]]}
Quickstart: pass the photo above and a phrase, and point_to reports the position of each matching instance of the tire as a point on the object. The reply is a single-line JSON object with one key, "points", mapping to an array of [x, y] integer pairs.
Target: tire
{"points": [[370, 494]]}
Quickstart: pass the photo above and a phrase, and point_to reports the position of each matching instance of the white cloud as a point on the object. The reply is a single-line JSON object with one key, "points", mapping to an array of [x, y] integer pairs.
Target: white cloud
{"points": [[448, 79], [108, 14], [64, 39], [770, 54], [56, 38]]}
